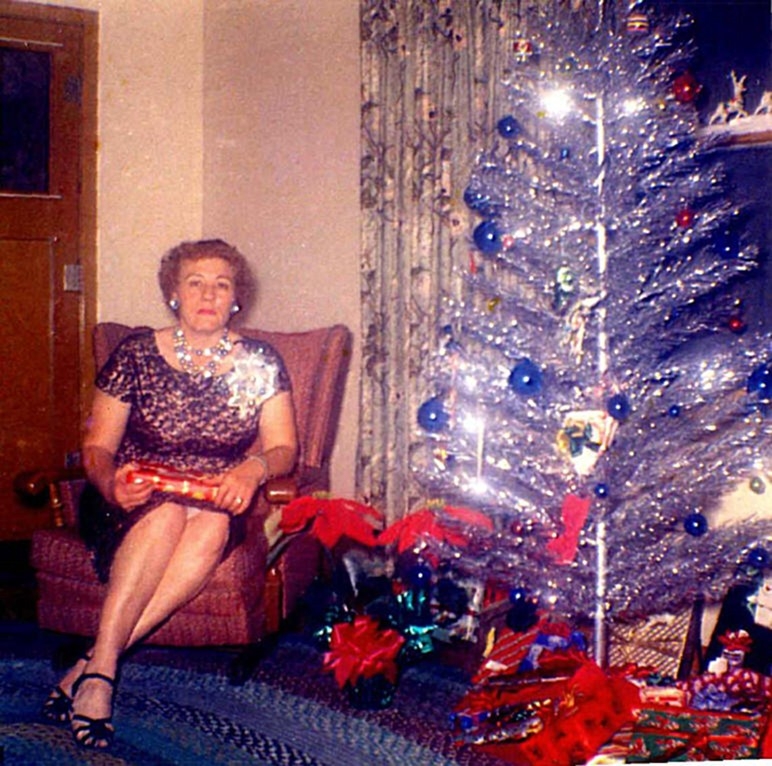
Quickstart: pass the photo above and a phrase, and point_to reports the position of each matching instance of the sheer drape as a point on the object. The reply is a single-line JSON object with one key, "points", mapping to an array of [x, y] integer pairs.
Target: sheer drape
{"points": [[430, 80]]}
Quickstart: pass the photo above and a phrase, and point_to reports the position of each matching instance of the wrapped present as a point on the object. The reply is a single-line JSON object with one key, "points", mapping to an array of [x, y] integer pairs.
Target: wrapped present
{"points": [[594, 705], [658, 642], [665, 734], [506, 650], [663, 696], [741, 687], [371, 693], [189, 484], [362, 649]]}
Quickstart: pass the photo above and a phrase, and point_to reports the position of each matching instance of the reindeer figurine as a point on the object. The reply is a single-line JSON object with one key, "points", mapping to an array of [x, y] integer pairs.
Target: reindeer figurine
{"points": [[765, 103], [735, 107]]}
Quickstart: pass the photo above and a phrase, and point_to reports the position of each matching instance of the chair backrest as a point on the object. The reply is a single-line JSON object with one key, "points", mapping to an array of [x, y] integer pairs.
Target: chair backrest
{"points": [[317, 362]]}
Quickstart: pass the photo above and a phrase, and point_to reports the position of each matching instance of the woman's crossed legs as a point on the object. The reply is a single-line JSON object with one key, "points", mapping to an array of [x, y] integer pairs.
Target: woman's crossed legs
{"points": [[165, 559]]}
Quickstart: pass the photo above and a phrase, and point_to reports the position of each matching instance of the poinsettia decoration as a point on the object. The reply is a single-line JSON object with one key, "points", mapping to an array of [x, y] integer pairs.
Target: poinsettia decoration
{"points": [[442, 524], [330, 519]]}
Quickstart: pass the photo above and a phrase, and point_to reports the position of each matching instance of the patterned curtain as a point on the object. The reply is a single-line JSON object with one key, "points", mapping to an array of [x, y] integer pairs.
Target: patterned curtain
{"points": [[430, 79]]}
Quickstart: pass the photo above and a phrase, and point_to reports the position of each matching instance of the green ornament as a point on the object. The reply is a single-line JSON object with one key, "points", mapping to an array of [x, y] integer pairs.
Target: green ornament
{"points": [[564, 288], [757, 485]]}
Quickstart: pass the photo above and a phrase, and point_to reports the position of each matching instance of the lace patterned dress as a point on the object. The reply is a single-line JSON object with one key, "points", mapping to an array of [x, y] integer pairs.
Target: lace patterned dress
{"points": [[186, 422]]}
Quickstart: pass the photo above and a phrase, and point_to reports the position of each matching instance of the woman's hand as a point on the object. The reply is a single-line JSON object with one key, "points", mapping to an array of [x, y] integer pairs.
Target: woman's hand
{"points": [[130, 494], [238, 486]]}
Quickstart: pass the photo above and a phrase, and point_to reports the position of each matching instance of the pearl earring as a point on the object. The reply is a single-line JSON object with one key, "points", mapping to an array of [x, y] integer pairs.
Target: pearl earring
{"points": [[174, 304], [235, 308]]}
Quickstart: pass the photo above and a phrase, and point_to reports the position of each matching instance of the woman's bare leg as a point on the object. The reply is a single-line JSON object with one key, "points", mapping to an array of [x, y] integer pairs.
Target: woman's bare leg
{"points": [[138, 567], [195, 559], [149, 580]]}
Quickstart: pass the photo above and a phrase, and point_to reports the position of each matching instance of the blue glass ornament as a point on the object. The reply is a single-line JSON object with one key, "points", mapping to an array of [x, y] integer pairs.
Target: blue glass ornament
{"points": [[760, 381], [508, 126], [758, 558], [477, 200], [695, 524], [432, 415], [487, 238], [674, 411], [601, 490], [517, 596], [757, 485], [565, 153], [618, 407], [525, 378], [420, 576], [524, 612]]}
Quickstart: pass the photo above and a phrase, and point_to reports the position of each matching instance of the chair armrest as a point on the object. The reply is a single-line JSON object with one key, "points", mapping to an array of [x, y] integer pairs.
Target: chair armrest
{"points": [[281, 491], [41, 485]]}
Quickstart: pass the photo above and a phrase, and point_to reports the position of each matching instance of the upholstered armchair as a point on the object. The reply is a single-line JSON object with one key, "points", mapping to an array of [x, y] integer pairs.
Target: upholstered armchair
{"points": [[245, 600]]}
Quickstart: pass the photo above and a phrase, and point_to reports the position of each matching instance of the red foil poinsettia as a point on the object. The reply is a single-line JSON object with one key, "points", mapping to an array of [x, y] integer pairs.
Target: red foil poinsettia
{"points": [[330, 519], [361, 649], [427, 522]]}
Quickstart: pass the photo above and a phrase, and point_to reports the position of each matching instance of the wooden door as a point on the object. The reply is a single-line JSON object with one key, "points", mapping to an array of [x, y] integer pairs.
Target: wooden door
{"points": [[47, 148]]}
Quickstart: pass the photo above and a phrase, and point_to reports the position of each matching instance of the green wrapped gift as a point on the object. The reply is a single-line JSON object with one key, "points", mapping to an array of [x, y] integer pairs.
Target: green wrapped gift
{"points": [[694, 735]]}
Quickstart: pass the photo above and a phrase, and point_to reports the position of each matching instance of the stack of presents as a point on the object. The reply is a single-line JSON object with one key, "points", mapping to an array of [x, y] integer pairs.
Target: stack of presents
{"points": [[538, 698]]}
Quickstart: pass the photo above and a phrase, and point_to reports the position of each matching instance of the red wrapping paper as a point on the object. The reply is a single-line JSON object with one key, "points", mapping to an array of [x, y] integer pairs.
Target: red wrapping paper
{"points": [[593, 707], [188, 484], [361, 649]]}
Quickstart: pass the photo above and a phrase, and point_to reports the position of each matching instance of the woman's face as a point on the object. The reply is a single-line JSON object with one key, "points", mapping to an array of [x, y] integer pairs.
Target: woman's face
{"points": [[206, 292]]}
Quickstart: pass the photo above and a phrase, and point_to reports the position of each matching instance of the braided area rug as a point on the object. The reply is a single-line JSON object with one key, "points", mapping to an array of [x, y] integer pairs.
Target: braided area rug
{"points": [[288, 714]]}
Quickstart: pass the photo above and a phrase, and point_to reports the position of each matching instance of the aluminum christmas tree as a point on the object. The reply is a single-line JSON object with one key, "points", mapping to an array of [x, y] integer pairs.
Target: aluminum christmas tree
{"points": [[597, 389]]}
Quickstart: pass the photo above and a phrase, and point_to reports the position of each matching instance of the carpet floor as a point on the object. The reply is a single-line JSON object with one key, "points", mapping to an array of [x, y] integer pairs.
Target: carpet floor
{"points": [[178, 707]]}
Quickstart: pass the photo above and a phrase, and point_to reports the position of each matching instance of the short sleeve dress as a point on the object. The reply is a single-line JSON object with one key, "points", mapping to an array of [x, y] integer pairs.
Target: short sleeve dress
{"points": [[182, 421]]}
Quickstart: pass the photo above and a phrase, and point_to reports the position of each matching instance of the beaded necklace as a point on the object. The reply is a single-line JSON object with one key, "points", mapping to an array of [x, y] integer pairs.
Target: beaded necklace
{"points": [[213, 354]]}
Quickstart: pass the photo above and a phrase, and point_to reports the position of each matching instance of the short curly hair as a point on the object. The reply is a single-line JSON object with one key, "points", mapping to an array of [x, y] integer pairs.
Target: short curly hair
{"points": [[169, 270]]}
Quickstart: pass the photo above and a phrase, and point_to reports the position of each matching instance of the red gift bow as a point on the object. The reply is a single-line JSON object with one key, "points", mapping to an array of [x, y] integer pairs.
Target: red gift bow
{"points": [[427, 523], [736, 640], [361, 649], [331, 519]]}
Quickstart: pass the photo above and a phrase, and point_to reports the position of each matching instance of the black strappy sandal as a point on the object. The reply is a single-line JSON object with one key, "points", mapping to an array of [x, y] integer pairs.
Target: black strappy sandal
{"points": [[92, 732], [58, 705]]}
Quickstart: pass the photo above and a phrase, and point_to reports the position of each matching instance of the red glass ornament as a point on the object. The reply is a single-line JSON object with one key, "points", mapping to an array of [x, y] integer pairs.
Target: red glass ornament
{"points": [[523, 49], [686, 88], [685, 218], [736, 324]]}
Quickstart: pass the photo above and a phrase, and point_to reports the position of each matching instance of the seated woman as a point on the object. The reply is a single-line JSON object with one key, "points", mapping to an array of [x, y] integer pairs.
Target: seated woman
{"points": [[194, 397]]}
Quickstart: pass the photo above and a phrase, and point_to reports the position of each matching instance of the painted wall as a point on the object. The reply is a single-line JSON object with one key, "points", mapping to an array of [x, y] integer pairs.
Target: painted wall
{"points": [[281, 165], [240, 119]]}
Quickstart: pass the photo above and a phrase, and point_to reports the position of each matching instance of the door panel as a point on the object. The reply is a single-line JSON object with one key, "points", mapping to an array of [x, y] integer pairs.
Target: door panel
{"points": [[44, 232], [26, 346]]}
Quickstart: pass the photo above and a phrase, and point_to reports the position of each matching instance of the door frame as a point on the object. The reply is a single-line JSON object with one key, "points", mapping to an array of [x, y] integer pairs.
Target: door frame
{"points": [[88, 21]]}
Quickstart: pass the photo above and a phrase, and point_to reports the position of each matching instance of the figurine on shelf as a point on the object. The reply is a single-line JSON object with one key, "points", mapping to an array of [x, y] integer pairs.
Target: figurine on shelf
{"points": [[746, 608], [765, 103], [733, 109]]}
